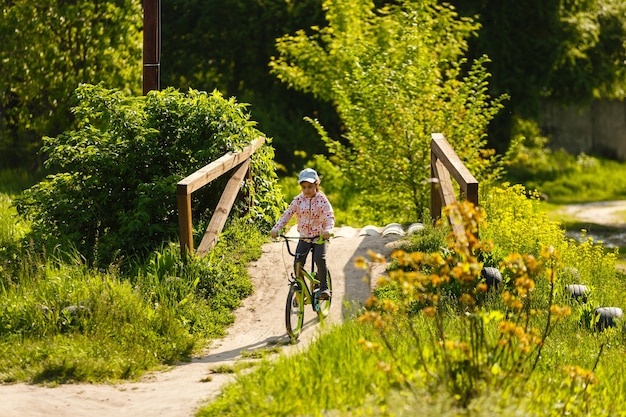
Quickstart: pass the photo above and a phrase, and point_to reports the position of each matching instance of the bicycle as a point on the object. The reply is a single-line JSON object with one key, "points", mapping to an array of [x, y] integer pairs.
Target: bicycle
{"points": [[303, 291]]}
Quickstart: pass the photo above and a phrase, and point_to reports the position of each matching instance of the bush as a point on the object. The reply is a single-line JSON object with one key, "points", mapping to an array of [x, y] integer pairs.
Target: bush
{"points": [[396, 75], [115, 191]]}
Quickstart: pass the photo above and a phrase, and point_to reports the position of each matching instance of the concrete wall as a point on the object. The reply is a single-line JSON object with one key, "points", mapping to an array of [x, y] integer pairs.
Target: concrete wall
{"points": [[598, 129]]}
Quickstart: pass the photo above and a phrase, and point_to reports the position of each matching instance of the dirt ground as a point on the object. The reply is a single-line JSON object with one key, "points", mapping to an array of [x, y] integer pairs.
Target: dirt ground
{"points": [[182, 389], [604, 213], [608, 213]]}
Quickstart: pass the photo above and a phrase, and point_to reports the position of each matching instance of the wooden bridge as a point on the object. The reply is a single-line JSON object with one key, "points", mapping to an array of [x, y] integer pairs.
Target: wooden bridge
{"points": [[445, 165]]}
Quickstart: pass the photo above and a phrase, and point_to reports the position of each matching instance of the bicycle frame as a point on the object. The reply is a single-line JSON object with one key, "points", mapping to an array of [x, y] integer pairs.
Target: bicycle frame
{"points": [[302, 275], [302, 293], [301, 279]]}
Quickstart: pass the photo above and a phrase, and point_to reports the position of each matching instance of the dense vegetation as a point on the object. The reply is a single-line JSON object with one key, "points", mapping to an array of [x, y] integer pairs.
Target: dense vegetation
{"points": [[113, 194], [94, 287], [437, 338], [54, 47], [569, 51]]}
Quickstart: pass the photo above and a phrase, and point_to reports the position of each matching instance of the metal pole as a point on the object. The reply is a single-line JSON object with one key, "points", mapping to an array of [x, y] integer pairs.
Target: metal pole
{"points": [[151, 45]]}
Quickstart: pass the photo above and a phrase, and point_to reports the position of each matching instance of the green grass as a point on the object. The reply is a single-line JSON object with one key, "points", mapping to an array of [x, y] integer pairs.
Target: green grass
{"points": [[126, 324], [350, 371], [115, 334], [334, 373], [569, 179], [160, 314]]}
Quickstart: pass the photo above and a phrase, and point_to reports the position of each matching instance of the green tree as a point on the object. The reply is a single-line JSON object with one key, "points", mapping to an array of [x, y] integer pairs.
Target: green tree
{"points": [[49, 48], [568, 51], [227, 45], [115, 190], [396, 75]]}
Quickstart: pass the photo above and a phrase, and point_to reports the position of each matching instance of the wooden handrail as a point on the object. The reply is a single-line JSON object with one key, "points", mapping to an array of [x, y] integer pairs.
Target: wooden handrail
{"points": [[239, 163], [443, 162]]}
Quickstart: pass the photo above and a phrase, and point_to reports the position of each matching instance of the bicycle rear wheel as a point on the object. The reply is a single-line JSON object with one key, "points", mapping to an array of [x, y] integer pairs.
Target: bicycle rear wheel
{"points": [[294, 311], [323, 306]]}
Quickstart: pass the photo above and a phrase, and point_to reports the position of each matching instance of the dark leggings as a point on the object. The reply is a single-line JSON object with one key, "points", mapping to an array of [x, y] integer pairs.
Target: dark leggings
{"points": [[319, 257]]}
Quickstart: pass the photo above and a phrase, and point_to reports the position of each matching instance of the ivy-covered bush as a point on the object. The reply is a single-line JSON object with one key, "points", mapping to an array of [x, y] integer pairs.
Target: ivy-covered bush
{"points": [[114, 191]]}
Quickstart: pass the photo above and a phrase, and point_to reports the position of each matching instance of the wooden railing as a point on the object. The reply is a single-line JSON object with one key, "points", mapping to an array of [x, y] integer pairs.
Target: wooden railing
{"points": [[443, 162], [238, 163]]}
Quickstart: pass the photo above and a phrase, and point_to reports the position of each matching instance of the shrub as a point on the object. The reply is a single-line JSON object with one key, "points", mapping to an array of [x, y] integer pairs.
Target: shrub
{"points": [[471, 348], [115, 191], [396, 75]]}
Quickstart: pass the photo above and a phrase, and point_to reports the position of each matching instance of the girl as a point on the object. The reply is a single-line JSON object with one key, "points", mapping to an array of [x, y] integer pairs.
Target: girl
{"points": [[315, 217]]}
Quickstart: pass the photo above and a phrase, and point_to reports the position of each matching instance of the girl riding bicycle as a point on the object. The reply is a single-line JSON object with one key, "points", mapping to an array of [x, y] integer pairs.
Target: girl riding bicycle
{"points": [[315, 217]]}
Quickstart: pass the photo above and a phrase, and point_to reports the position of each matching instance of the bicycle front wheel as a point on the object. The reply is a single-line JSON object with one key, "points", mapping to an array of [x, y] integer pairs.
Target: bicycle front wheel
{"points": [[294, 311], [323, 306]]}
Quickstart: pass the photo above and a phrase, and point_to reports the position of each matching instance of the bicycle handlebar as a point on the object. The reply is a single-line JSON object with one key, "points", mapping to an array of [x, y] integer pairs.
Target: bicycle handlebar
{"points": [[300, 237], [312, 239]]}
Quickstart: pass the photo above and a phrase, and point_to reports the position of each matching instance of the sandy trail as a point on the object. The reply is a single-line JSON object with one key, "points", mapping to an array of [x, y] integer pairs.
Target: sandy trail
{"points": [[259, 324], [609, 213], [602, 213]]}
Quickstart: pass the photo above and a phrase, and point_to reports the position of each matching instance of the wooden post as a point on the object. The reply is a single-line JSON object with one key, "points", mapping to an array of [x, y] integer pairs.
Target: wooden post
{"points": [[185, 227], [443, 163], [435, 187], [151, 45], [239, 162]]}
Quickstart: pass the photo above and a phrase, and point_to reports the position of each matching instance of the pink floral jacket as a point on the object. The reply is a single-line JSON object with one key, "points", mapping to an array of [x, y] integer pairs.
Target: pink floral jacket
{"points": [[314, 215]]}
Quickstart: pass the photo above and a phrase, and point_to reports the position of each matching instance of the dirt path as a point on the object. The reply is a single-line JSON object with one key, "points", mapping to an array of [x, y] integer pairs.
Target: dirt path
{"points": [[608, 213], [180, 391]]}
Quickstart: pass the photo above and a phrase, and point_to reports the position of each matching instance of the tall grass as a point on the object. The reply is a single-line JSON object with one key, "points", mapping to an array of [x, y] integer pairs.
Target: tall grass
{"points": [[62, 321], [12, 230], [434, 336], [589, 179]]}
